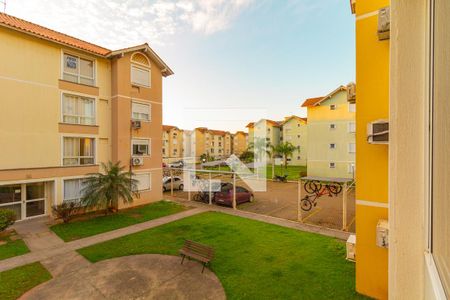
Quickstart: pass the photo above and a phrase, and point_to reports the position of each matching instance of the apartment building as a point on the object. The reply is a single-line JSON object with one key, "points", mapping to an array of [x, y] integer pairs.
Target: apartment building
{"points": [[68, 105], [172, 149], [216, 144], [331, 135], [272, 131], [240, 142], [295, 131], [402, 207]]}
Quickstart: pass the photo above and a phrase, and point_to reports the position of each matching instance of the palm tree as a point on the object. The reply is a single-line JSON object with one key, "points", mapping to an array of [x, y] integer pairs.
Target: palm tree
{"points": [[285, 149], [104, 190]]}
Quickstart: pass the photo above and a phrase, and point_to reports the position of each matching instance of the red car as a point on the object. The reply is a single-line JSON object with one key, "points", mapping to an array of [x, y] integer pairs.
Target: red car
{"points": [[225, 196]]}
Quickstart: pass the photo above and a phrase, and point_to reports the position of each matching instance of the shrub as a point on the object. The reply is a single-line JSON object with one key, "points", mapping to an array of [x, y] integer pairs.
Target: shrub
{"points": [[7, 218], [66, 210]]}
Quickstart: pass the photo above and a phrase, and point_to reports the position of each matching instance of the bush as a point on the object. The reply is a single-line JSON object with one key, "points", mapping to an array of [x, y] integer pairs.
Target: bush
{"points": [[7, 218], [66, 210]]}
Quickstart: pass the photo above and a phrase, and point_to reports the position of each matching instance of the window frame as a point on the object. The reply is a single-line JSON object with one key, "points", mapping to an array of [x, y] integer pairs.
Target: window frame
{"points": [[332, 165], [333, 107], [79, 117], [148, 104], [79, 136], [149, 147], [142, 68], [332, 147], [78, 200], [79, 56]]}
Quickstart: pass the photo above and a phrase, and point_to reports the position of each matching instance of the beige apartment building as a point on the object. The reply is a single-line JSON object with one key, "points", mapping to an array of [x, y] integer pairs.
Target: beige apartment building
{"points": [[172, 143], [272, 131], [240, 142], [68, 105]]}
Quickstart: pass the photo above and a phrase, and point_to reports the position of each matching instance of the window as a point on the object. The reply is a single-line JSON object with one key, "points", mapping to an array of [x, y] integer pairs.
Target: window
{"points": [[144, 181], [78, 70], [78, 110], [140, 147], [174, 142], [140, 76], [351, 168], [352, 127], [73, 189], [332, 146], [351, 148], [333, 107], [140, 111], [298, 158], [440, 155], [332, 126], [332, 165], [352, 107], [78, 151], [298, 135]]}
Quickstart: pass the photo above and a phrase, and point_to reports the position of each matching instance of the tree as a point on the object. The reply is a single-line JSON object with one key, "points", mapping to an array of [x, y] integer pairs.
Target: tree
{"points": [[247, 156], [285, 149], [104, 190]]}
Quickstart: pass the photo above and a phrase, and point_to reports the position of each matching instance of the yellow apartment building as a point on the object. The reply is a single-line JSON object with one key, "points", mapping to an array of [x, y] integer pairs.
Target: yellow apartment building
{"points": [[216, 144], [295, 131], [172, 149], [403, 176], [240, 142], [331, 135], [68, 105]]}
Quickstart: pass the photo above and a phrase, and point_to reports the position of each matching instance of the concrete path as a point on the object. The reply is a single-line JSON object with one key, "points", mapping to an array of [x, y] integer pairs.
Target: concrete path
{"points": [[148, 276], [51, 251]]}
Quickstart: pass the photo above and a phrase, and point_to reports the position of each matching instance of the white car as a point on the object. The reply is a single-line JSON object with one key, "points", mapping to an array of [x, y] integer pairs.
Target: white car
{"points": [[177, 183], [177, 164]]}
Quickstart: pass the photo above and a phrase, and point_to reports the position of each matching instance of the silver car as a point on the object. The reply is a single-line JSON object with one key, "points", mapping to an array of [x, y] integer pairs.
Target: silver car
{"points": [[177, 183]]}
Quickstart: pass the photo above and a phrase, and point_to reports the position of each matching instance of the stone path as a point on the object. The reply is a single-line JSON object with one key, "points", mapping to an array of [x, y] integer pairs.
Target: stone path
{"points": [[148, 276], [47, 248]]}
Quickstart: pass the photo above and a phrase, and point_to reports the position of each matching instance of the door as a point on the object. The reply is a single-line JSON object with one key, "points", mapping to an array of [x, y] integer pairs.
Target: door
{"points": [[26, 200]]}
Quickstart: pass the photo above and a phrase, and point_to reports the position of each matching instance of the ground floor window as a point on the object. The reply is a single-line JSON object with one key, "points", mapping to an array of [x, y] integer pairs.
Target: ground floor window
{"points": [[73, 190], [144, 181]]}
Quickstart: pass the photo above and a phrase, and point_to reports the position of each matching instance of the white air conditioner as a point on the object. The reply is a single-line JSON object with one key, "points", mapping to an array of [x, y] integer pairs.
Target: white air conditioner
{"points": [[350, 246], [137, 161], [351, 92], [384, 23], [378, 132], [136, 124]]}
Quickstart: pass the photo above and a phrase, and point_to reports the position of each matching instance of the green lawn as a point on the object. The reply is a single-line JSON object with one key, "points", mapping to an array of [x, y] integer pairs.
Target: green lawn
{"points": [[12, 248], [99, 224], [254, 260], [293, 172], [15, 282]]}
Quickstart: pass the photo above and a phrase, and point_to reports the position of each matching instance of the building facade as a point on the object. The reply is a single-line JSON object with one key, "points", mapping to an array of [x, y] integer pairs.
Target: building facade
{"points": [[172, 149], [272, 131], [295, 131], [69, 106], [240, 142], [331, 135]]}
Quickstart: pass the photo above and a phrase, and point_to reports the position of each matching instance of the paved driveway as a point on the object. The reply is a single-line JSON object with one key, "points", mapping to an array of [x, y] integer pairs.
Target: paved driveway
{"points": [[148, 276]]}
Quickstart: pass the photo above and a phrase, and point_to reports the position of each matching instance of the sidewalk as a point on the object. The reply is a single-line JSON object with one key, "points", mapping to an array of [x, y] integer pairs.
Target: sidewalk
{"points": [[59, 256]]}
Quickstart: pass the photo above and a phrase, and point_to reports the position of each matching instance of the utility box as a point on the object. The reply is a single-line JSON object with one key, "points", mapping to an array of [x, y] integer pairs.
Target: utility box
{"points": [[384, 23], [378, 132], [383, 234], [351, 247]]}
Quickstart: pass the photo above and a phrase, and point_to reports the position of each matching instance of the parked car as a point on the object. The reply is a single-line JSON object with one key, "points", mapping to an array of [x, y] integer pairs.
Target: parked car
{"points": [[176, 164], [177, 183], [164, 165], [225, 196]]}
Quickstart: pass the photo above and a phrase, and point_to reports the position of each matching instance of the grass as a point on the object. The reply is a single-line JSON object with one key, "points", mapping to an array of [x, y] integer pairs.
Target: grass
{"points": [[12, 247], [15, 282], [99, 224], [253, 260], [293, 172]]}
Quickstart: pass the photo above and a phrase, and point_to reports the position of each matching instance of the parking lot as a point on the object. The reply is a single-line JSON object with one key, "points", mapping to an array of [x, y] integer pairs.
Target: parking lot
{"points": [[281, 200]]}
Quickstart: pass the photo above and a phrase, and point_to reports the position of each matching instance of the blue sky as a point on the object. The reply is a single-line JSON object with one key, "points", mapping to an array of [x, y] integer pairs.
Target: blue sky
{"points": [[235, 61]]}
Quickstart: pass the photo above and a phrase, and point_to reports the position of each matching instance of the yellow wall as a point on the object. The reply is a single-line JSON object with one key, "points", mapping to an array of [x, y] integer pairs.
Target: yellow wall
{"points": [[320, 136], [372, 96], [239, 143]]}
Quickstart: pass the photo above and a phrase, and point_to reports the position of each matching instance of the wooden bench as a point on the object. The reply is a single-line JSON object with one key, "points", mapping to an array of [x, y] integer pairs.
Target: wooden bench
{"points": [[197, 251]]}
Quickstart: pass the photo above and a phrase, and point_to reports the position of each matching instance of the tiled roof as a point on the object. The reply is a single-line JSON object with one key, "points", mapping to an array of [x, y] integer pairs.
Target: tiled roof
{"points": [[250, 125], [168, 127], [48, 34], [286, 119], [218, 132], [311, 101]]}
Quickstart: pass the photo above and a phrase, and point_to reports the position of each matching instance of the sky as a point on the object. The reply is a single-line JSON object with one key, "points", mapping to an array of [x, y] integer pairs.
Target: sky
{"points": [[235, 61]]}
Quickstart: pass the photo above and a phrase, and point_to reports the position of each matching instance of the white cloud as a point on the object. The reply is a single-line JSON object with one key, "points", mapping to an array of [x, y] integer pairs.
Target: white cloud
{"points": [[121, 23]]}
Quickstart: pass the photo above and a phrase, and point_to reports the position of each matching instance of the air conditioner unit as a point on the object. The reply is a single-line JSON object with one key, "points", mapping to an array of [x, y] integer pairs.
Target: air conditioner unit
{"points": [[350, 246], [135, 124], [384, 23], [351, 92], [378, 132], [137, 161]]}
